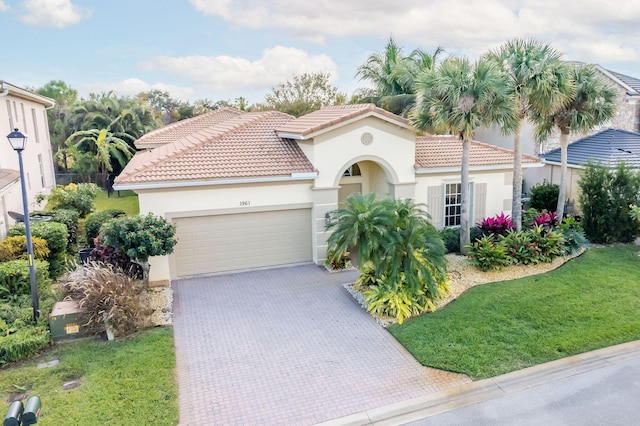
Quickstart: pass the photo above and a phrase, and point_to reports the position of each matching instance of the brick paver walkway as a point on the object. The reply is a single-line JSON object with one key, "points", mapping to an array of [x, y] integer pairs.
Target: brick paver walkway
{"points": [[286, 346]]}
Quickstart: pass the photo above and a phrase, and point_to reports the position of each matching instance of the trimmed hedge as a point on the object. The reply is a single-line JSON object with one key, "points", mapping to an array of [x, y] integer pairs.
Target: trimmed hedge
{"points": [[55, 234], [69, 218], [14, 277], [14, 248], [23, 342]]}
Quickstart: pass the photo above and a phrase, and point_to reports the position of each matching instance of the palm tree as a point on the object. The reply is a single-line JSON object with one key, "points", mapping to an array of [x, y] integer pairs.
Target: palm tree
{"points": [[592, 103], [393, 76], [458, 97], [104, 144], [540, 82], [362, 224]]}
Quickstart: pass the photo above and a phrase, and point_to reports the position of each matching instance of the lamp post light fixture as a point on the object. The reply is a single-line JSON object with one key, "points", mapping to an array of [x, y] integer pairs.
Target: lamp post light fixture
{"points": [[18, 141]]}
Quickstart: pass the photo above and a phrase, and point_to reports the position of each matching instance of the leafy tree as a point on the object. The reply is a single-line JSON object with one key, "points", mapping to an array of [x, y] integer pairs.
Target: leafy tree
{"points": [[140, 237], [591, 104], [303, 94], [458, 97], [541, 84], [393, 76], [65, 98]]}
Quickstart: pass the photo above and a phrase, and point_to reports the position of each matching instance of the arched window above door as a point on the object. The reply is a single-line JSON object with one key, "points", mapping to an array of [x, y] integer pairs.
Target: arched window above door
{"points": [[353, 170]]}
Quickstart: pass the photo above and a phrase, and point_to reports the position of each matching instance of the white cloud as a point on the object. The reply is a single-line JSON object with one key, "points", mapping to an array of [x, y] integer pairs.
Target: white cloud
{"points": [[4, 7], [52, 13], [595, 28], [228, 74], [133, 86]]}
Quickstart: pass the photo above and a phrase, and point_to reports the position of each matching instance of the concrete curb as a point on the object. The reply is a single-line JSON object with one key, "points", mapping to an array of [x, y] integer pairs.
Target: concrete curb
{"points": [[484, 390]]}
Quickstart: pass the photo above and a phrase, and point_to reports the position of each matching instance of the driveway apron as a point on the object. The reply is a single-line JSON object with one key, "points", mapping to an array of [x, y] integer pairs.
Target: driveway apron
{"points": [[286, 346]]}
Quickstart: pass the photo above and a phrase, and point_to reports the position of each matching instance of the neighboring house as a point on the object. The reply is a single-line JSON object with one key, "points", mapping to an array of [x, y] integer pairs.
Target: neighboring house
{"points": [[608, 148], [256, 190], [626, 117], [24, 110]]}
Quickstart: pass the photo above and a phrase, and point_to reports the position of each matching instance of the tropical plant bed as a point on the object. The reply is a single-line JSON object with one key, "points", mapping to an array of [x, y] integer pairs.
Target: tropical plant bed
{"points": [[589, 303], [462, 275]]}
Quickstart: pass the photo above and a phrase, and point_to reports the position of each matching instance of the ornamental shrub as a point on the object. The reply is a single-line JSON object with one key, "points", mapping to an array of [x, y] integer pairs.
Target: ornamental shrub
{"points": [[20, 341], [451, 238], [498, 225], [14, 248], [486, 253], [605, 199], [544, 196], [14, 278], [95, 221], [140, 237], [55, 234], [69, 218], [106, 293], [77, 197]]}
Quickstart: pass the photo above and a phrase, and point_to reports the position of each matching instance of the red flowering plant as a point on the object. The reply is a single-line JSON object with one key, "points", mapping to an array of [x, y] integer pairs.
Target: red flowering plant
{"points": [[498, 225]]}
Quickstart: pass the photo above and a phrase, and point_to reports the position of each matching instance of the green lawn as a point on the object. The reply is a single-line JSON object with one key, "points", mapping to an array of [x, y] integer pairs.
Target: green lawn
{"points": [[127, 201], [123, 382], [589, 303]]}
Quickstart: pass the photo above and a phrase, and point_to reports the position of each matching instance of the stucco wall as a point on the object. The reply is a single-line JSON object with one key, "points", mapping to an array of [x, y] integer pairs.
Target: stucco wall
{"points": [[498, 194], [38, 144], [392, 147]]}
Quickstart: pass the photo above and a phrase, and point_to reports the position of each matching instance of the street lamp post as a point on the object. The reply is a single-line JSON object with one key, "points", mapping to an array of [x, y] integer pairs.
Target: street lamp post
{"points": [[18, 142]]}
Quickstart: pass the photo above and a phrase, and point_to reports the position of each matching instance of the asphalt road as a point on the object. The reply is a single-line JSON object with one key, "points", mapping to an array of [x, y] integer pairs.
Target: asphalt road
{"points": [[605, 396]]}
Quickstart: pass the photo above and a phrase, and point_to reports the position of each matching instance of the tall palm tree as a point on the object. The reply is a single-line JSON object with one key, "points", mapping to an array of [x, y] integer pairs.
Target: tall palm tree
{"points": [[541, 84], [591, 104], [393, 75], [458, 97]]}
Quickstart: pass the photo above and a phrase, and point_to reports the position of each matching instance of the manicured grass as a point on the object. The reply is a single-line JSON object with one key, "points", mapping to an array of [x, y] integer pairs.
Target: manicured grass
{"points": [[589, 303], [127, 201], [122, 382]]}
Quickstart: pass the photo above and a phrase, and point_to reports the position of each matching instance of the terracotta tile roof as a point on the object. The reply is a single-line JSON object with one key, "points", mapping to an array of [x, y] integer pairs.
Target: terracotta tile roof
{"points": [[7, 177], [242, 147], [433, 152], [330, 116], [182, 128]]}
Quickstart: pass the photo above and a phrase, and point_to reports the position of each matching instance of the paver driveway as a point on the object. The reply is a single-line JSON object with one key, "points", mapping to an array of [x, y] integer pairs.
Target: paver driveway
{"points": [[286, 346]]}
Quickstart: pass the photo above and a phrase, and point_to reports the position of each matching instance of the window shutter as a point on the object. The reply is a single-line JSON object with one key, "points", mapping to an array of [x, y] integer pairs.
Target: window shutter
{"points": [[479, 201], [435, 205]]}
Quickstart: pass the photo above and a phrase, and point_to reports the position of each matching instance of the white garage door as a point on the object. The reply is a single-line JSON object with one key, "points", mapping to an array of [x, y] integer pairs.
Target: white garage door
{"points": [[229, 242]]}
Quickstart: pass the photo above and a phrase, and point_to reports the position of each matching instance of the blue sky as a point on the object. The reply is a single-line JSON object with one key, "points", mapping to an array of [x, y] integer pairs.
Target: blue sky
{"points": [[223, 49]]}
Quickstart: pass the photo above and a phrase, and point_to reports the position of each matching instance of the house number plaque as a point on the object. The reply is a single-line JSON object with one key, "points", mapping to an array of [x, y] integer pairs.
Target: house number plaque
{"points": [[245, 203]]}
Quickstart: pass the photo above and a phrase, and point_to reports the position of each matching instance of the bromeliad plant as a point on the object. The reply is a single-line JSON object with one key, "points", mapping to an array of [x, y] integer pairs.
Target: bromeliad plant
{"points": [[400, 254], [498, 225]]}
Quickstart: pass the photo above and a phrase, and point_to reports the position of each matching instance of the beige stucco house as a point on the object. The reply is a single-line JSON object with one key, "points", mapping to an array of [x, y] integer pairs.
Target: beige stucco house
{"points": [[26, 111], [251, 190]]}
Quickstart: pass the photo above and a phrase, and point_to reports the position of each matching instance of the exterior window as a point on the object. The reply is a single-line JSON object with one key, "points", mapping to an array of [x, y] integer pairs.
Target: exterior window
{"points": [[10, 116], [452, 204], [354, 170], [41, 164], [35, 125]]}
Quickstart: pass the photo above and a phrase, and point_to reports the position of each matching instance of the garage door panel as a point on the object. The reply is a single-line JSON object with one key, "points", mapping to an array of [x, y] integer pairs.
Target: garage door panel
{"points": [[218, 243]]}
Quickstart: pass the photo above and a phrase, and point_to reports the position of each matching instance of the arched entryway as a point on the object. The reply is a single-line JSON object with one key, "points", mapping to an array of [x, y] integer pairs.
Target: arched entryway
{"points": [[364, 176]]}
